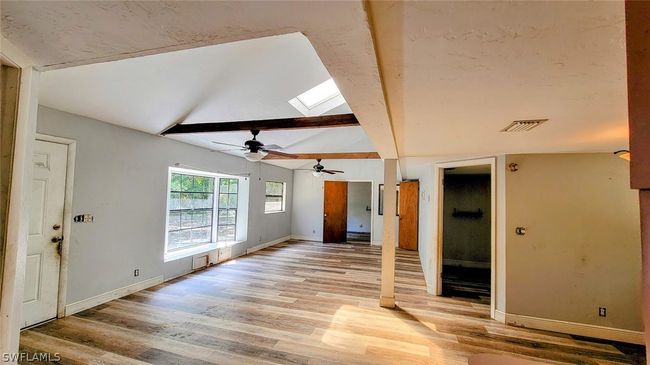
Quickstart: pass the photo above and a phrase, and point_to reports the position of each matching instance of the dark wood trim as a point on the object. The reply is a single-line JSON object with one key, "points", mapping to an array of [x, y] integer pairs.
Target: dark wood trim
{"points": [[324, 121], [328, 156], [637, 32]]}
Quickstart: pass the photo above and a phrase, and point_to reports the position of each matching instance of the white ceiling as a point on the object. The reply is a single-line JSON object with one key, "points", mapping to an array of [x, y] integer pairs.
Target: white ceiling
{"points": [[458, 72], [454, 73], [69, 33], [245, 80]]}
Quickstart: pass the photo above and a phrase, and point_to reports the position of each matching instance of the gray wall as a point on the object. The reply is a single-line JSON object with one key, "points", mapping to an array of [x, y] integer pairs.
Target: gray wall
{"points": [[359, 198], [582, 249], [466, 241], [121, 178]]}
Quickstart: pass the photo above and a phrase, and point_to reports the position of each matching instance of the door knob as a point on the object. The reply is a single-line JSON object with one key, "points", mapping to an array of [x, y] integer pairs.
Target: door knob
{"points": [[324, 215], [57, 239]]}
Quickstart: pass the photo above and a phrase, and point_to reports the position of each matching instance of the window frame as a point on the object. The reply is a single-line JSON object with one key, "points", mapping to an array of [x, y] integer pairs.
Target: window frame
{"points": [[169, 210], [219, 209], [214, 242], [283, 196]]}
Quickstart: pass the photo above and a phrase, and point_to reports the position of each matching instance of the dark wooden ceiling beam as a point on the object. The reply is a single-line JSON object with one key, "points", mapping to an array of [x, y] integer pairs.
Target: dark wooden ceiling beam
{"points": [[328, 156], [324, 121]]}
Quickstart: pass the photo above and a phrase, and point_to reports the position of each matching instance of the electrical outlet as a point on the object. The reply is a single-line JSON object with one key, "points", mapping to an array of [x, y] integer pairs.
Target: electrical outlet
{"points": [[136, 272], [602, 312]]}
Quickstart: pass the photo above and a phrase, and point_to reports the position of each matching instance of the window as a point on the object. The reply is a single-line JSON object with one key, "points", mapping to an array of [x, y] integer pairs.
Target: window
{"points": [[319, 94], [319, 99], [191, 203], [203, 211], [275, 192], [227, 222]]}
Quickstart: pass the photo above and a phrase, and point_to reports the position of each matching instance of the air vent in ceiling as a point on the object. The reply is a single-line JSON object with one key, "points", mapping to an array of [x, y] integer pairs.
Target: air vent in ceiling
{"points": [[523, 125]]}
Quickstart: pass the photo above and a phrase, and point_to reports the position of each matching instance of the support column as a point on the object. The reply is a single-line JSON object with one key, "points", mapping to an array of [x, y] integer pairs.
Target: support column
{"points": [[387, 295], [637, 35]]}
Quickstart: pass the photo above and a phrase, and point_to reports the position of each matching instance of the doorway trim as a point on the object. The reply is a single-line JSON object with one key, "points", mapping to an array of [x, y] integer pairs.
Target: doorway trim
{"points": [[19, 198], [439, 169], [67, 217]]}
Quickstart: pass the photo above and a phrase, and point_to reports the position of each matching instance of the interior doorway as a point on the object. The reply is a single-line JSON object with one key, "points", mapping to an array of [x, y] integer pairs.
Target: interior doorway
{"points": [[347, 211], [466, 232], [359, 212]]}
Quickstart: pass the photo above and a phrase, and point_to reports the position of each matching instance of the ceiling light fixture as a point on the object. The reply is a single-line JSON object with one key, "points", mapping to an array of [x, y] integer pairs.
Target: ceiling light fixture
{"points": [[317, 173], [255, 156], [624, 154]]}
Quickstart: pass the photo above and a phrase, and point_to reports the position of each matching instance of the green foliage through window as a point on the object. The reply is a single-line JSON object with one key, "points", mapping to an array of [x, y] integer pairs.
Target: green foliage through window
{"points": [[191, 202], [227, 217], [274, 200]]}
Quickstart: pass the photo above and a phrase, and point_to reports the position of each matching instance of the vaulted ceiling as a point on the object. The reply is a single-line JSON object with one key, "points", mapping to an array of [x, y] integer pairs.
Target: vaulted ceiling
{"points": [[244, 80], [453, 73], [63, 34]]}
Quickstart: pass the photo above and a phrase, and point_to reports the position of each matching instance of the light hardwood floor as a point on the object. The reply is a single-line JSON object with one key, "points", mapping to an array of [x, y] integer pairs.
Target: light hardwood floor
{"points": [[301, 303]]}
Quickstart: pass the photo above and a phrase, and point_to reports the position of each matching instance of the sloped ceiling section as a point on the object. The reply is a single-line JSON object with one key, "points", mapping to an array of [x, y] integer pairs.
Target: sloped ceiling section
{"points": [[456, 73], [70, 33]]}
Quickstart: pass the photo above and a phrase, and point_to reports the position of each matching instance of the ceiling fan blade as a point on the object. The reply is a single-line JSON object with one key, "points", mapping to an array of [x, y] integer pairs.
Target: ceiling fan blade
{"points": [[228, 144], [272, 147], [277, 153], [328, 172], [229, 149], [334, 171]]}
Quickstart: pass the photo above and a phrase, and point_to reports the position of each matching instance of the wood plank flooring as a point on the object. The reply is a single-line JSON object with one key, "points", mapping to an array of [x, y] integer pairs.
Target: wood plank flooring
{"points": [[301, 303]]}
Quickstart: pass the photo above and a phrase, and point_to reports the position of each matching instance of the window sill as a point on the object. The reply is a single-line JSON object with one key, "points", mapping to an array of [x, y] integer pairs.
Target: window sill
{"points": [[180, 254], [279, 211]]}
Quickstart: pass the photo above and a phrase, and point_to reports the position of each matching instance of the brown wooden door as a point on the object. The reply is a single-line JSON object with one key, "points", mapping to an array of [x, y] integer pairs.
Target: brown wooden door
{"points": [[409, 192], [335, 212]]}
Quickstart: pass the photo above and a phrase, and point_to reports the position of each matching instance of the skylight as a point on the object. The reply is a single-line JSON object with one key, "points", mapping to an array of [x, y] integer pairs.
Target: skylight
{"points": [[319, 94], [319, 99]]}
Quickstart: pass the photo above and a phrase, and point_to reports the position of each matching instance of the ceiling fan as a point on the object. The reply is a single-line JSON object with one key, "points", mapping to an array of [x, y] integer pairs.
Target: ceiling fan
{"points": [[318, 170], [256, 150]]}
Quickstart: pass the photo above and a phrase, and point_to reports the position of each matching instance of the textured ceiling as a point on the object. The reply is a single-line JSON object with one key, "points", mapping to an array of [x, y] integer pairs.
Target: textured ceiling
{"points": [[68, 33], [456, 73], [243, 80]]}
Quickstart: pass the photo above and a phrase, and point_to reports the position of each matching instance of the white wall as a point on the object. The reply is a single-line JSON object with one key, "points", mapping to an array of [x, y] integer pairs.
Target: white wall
{"points": [[359, 198], [582, 247], [121, 179], [307, 214]]}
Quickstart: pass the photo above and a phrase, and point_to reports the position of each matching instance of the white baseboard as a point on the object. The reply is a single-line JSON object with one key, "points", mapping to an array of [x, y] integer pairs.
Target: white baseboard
{"points": [[580, 329], [84, 304], [466, 263], [499, 316], [307, 238], [267, 244]]}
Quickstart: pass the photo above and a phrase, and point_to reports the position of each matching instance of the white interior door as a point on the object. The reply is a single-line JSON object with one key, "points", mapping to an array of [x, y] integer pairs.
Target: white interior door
{"points": [[45, 233]]}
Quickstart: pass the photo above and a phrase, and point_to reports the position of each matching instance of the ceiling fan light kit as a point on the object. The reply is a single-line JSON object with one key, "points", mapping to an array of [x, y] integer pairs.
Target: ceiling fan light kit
{"points": [[318, 170], [255, 150], [255, 156]]}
